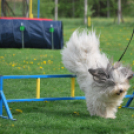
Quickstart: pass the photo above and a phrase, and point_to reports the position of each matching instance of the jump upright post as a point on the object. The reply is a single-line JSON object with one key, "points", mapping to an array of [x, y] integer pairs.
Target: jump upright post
{"points": [[1, 90], [38, 88], [73, 87], [30, 9], [4, 101]]}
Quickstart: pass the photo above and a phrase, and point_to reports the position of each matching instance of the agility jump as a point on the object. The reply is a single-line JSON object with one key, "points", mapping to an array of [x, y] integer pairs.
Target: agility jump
{"points": [[4, 101]]}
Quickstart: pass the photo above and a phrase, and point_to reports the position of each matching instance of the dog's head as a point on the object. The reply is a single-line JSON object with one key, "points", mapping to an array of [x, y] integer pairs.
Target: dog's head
{"points": [[116, 77]]}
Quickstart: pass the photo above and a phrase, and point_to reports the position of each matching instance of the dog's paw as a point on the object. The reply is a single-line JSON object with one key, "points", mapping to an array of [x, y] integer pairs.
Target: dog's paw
{"points": [[110, 117]]}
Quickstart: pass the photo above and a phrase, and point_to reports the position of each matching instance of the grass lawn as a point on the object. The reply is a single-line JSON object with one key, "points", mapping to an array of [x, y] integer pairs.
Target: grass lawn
{"points": [[62, 117]]}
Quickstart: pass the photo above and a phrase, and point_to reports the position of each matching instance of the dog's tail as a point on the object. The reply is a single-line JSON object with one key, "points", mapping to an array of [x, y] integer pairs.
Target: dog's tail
{"points": [[82, 52]]}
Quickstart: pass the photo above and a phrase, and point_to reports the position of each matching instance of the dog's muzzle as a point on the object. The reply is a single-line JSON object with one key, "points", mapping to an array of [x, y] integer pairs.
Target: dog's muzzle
{"points": [[120, 91]]}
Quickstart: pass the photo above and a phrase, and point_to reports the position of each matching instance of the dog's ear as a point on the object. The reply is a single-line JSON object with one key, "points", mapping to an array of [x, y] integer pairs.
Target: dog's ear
{"points": [[99, 74], [116, 65], [126, 71], [130, 76]]}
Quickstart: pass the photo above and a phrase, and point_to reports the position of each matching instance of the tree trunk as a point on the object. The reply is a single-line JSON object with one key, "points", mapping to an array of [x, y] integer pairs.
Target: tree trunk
{"points": [[73, 9], [108, 6], [119, 11], [85, 12], [56, 10], [23, 8]]}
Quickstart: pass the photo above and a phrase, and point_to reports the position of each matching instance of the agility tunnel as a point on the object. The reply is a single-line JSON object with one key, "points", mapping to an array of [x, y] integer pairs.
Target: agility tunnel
{"points": [[4, 102], [30, 33]]}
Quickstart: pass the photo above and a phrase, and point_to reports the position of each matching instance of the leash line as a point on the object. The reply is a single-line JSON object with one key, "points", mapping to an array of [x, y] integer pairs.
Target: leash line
{"points": [[127, 46]]}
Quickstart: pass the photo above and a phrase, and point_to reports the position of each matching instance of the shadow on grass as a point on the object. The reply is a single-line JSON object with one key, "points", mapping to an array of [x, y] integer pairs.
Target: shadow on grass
{"points": [[56, 108], [67, 130], [72, 129]]}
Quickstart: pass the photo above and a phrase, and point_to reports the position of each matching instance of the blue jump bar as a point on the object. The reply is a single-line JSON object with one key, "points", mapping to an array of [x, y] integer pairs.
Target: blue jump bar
{"points": [[48, 99], [55, 99], [128, 107], [5, 117], [129, 96], [37, 76]]}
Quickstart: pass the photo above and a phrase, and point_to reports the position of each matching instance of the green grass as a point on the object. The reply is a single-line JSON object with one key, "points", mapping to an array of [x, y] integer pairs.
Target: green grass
{"points": [[62, 117]]}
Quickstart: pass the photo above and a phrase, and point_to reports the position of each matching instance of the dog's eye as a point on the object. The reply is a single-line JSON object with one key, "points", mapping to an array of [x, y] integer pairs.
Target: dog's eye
{"points": [[96, 78], [108, 76], [102, 76], [99, 80]]}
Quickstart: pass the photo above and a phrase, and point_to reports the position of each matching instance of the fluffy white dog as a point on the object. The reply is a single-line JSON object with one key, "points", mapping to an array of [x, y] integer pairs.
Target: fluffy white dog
{"points": [[104, 83]]}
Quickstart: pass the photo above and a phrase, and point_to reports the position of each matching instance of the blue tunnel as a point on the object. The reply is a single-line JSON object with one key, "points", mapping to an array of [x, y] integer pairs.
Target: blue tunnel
{"points": [[36, 34]]}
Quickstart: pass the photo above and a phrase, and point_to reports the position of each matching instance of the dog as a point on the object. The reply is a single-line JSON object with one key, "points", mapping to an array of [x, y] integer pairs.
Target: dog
{"points": [[104, 83]]}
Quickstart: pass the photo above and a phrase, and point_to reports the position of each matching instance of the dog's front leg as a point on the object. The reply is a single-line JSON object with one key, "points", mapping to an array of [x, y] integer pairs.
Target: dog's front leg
{"points": [[110, 112]]}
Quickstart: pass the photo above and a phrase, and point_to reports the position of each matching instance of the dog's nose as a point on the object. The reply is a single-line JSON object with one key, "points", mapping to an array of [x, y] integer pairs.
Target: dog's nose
{"points": [[121, 90]]}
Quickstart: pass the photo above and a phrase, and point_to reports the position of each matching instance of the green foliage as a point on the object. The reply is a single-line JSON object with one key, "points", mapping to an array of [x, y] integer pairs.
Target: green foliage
{"points": [[46, 8], [72, 8], [127, 8], [100, 7]]}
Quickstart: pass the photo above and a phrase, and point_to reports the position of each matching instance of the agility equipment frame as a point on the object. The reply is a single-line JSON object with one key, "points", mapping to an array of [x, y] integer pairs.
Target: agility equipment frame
{"points": [[4, 101]]}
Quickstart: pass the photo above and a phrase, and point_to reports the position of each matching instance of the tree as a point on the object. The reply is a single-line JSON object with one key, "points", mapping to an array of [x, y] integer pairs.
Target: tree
{"points": [[108, 7], [56, 10], [85, 12], [119, 11]]}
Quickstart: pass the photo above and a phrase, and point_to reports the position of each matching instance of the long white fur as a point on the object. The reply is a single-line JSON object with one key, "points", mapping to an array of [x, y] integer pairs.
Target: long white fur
{"points": [[81, 53]]}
